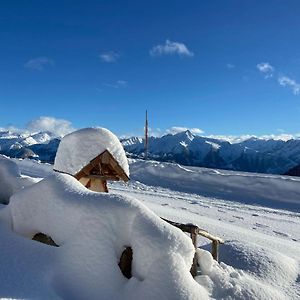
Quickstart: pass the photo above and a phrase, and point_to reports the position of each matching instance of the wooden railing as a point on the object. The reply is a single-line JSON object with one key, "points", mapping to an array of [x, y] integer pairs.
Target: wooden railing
{"points": [[194, 231]]}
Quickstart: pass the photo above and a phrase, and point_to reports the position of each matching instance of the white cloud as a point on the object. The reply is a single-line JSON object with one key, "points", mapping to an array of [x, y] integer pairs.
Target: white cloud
{"points": [[116, 85], [177, 129], [39, 63], [266, 69], [230, 66], [282, 137], [291, 83], [233, 139], [13, 128], [280, 130], [109, 56], [59, 127], [156, 132], [171, 48], [230, 138]]}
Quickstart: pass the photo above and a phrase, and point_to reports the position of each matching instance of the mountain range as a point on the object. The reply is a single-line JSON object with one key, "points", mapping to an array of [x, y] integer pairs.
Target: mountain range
{"points": [[251, 155]]}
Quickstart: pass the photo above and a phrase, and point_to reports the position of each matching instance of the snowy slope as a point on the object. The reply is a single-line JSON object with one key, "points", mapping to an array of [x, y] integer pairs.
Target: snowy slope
{"points": [[269, 190], [261, 255], [262, 241]]}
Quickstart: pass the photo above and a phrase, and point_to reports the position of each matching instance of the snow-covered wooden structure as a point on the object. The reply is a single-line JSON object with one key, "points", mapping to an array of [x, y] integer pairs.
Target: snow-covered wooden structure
{"points": [[98, 171], [93, 156]]}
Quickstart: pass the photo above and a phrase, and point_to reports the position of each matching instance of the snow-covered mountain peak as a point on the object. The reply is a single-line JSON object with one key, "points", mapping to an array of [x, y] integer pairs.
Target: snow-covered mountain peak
{"points": [[42, 137], [252, 154], [132, 141], [185, 135]]}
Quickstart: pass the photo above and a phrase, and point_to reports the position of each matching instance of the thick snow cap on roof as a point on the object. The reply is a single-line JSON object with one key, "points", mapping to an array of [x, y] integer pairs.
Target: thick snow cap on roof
{"points": [[78, 148]]}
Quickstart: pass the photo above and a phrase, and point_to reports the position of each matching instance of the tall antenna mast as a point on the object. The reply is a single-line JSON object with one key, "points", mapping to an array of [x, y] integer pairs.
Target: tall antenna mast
{"points": [[146, 136]]}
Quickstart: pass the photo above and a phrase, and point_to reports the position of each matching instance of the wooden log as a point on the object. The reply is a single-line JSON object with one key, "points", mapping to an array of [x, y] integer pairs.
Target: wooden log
{"points": [[189, 227], [103, 177], [209, 236], [45, 239], [84, 181], [125, 263], [194, 231], [184, 227], [195, 259], [98, 185]]}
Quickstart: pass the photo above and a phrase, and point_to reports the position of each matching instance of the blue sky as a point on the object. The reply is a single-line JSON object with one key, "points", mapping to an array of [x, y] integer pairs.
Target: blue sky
{"points": [[225, 67]]}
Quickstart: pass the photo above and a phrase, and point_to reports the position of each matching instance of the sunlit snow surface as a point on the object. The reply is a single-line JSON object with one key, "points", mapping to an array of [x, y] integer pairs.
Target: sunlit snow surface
{"points": [[260, 257]]}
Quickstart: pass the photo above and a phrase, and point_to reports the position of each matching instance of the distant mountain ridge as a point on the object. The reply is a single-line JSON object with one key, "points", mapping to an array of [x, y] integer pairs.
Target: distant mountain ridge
{"points": [[251, 155], [295, 171], [41, 145]]}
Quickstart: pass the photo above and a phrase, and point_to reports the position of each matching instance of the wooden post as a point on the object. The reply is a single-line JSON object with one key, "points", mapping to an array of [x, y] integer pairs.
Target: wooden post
{"points": [[215, 249], [194, 233]]}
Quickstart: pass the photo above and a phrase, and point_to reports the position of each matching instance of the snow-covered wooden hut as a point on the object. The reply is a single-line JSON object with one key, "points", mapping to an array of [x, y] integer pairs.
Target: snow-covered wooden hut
{"points": [[93, 156]]}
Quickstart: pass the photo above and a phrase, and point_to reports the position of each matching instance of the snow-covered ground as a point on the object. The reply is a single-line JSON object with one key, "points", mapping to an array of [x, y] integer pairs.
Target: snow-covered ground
{"points": [[257, 215]]}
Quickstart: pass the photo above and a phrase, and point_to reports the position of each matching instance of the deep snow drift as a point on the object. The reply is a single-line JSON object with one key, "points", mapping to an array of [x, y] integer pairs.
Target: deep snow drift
{"points": [[92, 230], [260, 257], [11, 180], [268, 190]]}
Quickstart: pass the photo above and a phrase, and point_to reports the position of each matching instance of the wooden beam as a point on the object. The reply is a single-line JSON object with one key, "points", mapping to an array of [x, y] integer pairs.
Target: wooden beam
{"points": [[215, 250], [106, 157], [103, 177], [125, 263], [98, 185], [45, 239], [195, 259], [190, 227], [194, 231], [210, 236]]}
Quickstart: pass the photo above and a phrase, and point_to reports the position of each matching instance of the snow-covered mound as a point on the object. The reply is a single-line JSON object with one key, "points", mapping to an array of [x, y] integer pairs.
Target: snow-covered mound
{"points": [[11, 180], [92, 230], [78, 148], [226, 282], [259, 260]]}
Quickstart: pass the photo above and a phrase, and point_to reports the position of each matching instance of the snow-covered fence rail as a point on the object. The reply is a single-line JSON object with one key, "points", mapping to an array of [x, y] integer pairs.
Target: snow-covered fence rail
{"points": [[194, 231]]}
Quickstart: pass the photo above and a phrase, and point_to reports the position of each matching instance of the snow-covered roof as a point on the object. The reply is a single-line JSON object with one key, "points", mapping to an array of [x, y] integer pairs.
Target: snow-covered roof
{"points": [[78, 148]]}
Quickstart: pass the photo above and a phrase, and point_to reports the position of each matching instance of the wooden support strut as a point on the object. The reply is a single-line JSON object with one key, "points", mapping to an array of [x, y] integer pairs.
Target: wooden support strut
{"points": [[194, 241], [194, 232]]}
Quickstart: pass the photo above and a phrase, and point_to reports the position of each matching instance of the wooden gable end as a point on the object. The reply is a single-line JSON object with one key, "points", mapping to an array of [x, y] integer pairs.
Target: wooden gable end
{"points": [[103, 167]]}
